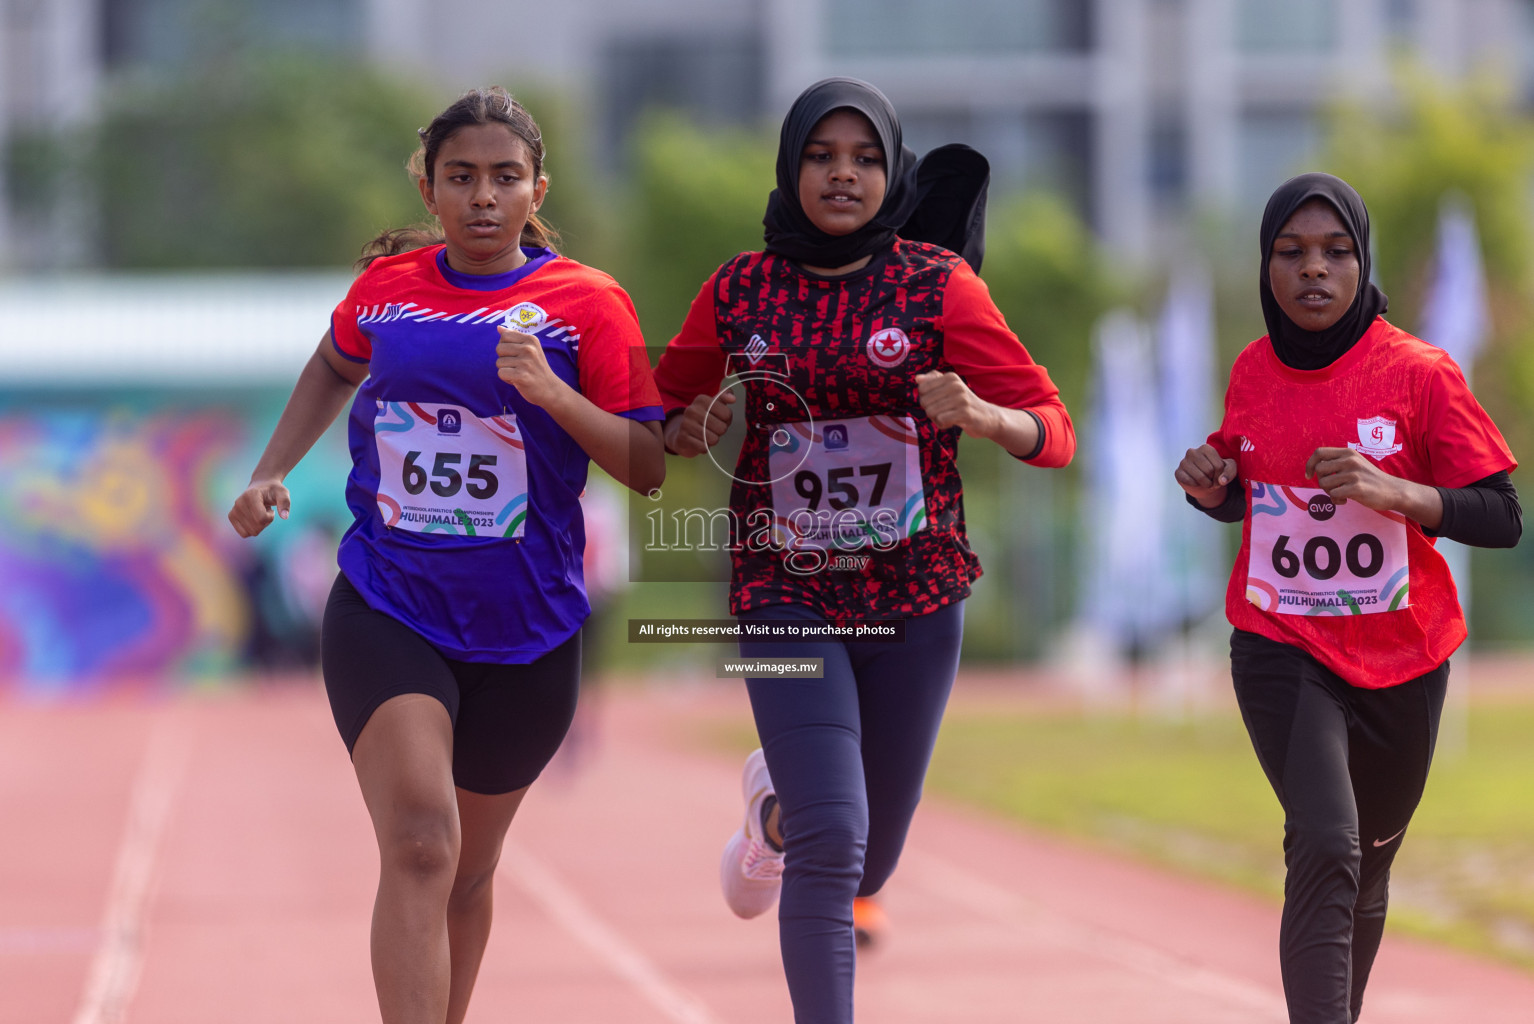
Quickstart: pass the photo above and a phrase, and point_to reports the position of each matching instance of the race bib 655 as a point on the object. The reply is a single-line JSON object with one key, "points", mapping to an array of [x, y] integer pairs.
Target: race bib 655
{"points": [[444, 470]]}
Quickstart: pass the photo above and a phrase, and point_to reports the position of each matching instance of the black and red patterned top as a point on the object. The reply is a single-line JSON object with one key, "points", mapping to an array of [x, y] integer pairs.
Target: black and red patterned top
{"points": [[814, 352]]}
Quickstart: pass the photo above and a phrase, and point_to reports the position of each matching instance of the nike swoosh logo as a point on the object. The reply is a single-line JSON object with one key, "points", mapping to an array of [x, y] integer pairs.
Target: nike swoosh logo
{"points": [[1382, 842]]}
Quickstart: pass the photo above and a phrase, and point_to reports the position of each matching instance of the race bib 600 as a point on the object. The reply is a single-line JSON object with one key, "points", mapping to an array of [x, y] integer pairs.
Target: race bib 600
{"points": [[1313, 556]]}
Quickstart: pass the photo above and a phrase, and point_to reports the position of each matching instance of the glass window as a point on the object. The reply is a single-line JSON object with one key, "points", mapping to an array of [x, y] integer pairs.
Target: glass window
{"points": [[1042, 150], [174, 31], [718, 80], [1399, 15], [921, 27], [1274, 146], [1524, 50], [1294, 26], [1167, 161]]}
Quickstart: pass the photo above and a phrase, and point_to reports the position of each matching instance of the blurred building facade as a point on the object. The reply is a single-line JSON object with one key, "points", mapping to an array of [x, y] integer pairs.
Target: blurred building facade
{"points": [[1140, 110]]}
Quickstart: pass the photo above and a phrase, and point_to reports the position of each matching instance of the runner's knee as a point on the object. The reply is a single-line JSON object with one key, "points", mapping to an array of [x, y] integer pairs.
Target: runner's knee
{"points": [[472, 882], [420, 843], [828, 844], [1314, 847]]}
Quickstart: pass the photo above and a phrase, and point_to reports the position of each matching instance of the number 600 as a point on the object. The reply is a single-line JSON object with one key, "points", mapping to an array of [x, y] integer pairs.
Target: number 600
{"points": [[1287, 564]]}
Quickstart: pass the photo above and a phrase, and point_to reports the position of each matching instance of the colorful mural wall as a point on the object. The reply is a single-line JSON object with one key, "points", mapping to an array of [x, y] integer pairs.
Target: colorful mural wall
{"points": [[116, 560]]}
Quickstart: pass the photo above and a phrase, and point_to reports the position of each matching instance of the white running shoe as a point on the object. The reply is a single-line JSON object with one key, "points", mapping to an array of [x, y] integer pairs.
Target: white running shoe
{"points": [[751, 871]]}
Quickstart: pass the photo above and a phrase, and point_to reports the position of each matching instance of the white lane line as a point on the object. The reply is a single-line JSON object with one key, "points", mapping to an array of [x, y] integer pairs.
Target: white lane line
{"points": [[114, 972], [561, 903], [945, 879]]}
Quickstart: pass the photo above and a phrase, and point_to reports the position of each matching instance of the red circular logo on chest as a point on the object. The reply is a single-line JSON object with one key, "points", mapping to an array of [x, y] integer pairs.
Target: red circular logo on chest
{"points": [[889, 347]]}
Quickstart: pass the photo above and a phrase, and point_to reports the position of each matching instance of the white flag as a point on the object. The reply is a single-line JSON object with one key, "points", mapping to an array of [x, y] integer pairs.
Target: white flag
{"points": [[1186, 352], [1455, 315], [1124, 545], [1456, 318]]}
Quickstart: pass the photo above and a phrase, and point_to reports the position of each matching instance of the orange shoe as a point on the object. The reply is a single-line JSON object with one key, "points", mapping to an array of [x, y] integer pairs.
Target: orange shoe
{"points": [[870, 925]]}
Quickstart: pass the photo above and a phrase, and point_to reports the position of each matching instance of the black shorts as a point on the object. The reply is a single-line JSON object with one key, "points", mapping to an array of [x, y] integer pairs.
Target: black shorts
{"points": [[508, 720]]}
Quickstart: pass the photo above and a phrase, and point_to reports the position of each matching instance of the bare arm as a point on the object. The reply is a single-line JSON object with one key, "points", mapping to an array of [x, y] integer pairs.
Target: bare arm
{"points": [[627, 450], [323, 389]]}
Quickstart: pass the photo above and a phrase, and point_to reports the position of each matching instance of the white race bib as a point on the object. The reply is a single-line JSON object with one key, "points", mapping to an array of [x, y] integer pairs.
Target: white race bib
{"points": [[847, 483], [442, 469], [1311, 556]]}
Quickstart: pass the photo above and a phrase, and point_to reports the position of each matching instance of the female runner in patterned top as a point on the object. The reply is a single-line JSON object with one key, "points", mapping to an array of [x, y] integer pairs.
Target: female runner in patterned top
{"points": [[491, 370], [1347, 446], [864, 356]]}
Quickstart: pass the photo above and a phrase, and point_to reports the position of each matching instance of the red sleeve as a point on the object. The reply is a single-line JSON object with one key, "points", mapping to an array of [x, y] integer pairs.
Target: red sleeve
{"points": [[613, 365], [1224, 446], [1463, 445], [345, 335], [979, 346], [693, 363]]}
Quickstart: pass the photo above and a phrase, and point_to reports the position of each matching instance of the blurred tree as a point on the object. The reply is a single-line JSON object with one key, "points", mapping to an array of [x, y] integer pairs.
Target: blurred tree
{"points": [[1470, 139], [1050, 281], [1473, 139], [237, 156], [697, 199], [263, 159]]}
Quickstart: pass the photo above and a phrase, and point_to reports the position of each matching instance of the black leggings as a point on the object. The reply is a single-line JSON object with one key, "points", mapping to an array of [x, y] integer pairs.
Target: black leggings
{"points": [[508, 720], [1348, 766]]}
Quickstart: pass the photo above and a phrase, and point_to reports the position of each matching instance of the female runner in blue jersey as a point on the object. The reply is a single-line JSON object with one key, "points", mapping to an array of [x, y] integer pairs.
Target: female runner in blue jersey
{"points": [[866, 355], [491, 369]]}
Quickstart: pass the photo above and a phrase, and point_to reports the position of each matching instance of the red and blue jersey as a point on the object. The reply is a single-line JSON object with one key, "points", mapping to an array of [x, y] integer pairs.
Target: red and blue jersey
{"points": [[468, 524]]}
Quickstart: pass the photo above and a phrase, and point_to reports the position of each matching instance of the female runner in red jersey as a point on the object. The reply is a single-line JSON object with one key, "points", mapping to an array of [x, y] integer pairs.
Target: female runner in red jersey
{"points": [[1347, 446], [865, 355], [491, 370]]}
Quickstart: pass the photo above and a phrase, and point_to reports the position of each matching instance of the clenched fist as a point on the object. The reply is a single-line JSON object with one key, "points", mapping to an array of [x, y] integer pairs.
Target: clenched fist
{"points": [[1205, 475], [700, 425], [258, 505], [520, 362]]}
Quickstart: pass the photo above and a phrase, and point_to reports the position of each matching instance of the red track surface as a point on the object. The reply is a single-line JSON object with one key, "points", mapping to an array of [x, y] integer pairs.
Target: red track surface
{"points": [[207, 859]]}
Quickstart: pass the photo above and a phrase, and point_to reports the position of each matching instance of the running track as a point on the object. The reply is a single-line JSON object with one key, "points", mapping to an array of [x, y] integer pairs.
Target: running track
{"points": [[207, 859]]}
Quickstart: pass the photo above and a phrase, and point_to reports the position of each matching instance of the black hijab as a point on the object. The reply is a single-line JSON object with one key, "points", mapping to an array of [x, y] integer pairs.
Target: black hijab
{"points": [[1295, 346], [938, 199]]}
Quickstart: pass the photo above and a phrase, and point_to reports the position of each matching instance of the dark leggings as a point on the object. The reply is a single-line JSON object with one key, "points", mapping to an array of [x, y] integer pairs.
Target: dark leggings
{"points": [[847, 754], [1348, 766]]}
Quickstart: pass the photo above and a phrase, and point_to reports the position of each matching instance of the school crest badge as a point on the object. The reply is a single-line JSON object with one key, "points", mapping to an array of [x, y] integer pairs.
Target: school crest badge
{"points": [[525, 316], [1376, 438]]}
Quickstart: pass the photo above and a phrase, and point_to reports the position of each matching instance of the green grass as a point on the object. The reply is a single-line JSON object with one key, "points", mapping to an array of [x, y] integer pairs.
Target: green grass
{"points": [[1190, 794]]}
